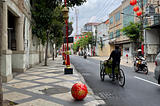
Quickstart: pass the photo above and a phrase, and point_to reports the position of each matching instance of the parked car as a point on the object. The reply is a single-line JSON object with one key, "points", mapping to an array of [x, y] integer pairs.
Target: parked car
{"points": [[157, 69]]}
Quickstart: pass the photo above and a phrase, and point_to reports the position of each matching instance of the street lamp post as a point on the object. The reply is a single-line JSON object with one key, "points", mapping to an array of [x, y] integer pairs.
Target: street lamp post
{"points": [[68, 69]]}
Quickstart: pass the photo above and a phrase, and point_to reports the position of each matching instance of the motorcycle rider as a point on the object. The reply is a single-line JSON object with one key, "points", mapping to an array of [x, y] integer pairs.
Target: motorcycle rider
{"points": [[137, 57], [115, 55]]}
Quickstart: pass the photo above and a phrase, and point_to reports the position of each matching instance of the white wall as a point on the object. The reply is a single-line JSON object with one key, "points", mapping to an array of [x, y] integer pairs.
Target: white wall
{"points": [[152, 36], [129, 46]]}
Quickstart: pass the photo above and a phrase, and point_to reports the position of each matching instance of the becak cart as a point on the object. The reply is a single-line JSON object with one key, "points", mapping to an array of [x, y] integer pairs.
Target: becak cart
{"points": [[106, 69]]}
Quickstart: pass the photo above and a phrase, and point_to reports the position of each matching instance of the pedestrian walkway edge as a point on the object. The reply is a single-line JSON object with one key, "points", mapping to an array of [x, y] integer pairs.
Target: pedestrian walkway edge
{"points": [[100, 100]]}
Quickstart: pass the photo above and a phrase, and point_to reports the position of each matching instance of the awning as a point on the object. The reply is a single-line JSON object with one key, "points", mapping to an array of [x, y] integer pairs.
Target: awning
{"points": [[157, 25]]}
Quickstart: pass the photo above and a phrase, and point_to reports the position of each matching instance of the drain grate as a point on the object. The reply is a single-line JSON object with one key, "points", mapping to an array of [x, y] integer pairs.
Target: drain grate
{"points": [[105, 95], [58, 90], [86, 74]]}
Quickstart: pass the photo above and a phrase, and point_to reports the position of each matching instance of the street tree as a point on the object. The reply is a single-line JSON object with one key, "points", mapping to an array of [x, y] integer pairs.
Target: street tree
{"points": [[44, 15], [133, 32]]}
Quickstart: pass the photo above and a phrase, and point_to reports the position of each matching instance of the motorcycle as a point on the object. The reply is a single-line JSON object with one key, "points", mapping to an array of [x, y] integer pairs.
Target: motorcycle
{"points": [[85, 55], [142, 65]]}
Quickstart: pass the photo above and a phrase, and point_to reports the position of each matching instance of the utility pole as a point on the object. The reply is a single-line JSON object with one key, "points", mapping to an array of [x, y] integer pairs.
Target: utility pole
{"points": [[142, 21], [76, 12], [1, 33]]}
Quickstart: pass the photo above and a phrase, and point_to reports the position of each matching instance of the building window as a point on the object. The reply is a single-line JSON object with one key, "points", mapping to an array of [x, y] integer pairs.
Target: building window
{"points": [[111, 35], [128, 15], [117, 33], [117, 16], [111, 20]]}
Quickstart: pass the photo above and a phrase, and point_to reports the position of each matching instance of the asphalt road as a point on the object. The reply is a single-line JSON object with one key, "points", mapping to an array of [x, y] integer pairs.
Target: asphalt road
{"points": [[139, 89]]}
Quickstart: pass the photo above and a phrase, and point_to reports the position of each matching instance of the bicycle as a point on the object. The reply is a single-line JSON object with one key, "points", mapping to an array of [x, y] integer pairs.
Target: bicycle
{"points": [[106, 69]]}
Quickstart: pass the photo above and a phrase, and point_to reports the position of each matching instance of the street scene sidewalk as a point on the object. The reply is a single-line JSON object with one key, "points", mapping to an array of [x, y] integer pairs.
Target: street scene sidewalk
{"points": [[47, 86]]}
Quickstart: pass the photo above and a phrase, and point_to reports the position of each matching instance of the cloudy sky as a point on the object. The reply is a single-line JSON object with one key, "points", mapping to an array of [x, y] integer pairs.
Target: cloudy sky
{"points": [[92, 11]]}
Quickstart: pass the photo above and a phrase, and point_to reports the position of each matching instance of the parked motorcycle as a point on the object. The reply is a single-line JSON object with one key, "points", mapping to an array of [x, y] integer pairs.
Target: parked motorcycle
{"points": [[85, 55], [142, 65]]}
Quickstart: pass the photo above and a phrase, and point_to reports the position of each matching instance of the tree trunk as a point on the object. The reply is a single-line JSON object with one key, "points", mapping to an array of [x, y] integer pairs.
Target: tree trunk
{"points": [[1, 29], [56, 49], [46, 55], [53, 51]]}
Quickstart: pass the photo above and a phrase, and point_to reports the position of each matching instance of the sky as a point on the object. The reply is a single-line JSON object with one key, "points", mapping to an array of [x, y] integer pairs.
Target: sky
{"points": [[92, 11]]}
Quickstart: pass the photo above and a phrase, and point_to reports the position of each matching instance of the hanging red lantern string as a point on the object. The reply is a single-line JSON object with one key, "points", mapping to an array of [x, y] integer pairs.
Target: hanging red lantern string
{"points": [[133, 2], [139, 13], [136, 9]]}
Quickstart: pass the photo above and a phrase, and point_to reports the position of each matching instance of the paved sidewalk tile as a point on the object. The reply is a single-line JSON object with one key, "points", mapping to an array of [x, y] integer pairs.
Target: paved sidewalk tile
{"points": [[46, 86]]}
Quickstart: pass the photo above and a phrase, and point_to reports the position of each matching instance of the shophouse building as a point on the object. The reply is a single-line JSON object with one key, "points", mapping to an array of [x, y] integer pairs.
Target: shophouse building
{"points": [[20, 50]]}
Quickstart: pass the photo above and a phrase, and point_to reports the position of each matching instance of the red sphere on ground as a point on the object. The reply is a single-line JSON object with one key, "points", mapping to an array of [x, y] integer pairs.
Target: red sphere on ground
{"points": [[79, 91]]}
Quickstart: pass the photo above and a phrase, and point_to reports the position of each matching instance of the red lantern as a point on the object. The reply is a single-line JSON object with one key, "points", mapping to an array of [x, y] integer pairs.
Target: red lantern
{"points": [[83, 36], [139, 13], [79, 91], [78, 42], [133, 2], [74, 43], [86, 36], [99, 33], [75, 37], [136, 9], [79, 37]]}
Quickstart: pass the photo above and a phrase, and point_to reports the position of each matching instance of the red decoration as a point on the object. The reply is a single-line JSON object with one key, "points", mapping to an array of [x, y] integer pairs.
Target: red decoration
{"points": [[74, 43], [136, 9], [78, 42], [99, 33], [83, 36], [86, 36], [79, 91], [79, 37], [75, 37], [126, 55], [139, 13], [87, 33], [117, 26], [133, 2], [65, 62]]}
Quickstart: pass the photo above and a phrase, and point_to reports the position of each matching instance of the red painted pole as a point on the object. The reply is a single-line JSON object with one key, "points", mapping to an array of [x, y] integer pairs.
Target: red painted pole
{"points": [[68, 61]]}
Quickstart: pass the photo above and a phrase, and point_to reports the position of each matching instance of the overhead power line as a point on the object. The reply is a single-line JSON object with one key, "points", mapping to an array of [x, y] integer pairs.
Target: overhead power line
{"points": [[104, 11]]}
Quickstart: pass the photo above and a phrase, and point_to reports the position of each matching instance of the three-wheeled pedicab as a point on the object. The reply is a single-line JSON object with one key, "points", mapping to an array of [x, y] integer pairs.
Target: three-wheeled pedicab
{"points": [[106, 69]]}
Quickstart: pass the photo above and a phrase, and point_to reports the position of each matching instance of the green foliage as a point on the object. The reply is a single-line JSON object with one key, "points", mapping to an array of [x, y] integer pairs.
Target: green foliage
{"points": [[83, 42], [101, 43], [133, 31], [72, 3]]}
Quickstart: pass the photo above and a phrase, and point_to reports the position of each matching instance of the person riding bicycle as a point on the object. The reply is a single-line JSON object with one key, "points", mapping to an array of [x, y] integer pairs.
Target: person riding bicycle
{"points": [[138, 56], [115, 55]]}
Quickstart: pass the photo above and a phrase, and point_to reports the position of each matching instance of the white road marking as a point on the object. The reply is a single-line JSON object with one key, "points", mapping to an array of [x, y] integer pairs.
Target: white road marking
{"points": [[146, 80], [87, 61]]}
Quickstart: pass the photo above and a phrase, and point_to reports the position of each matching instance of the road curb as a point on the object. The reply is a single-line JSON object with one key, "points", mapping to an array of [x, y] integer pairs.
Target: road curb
{"points": [[100, 100]]}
